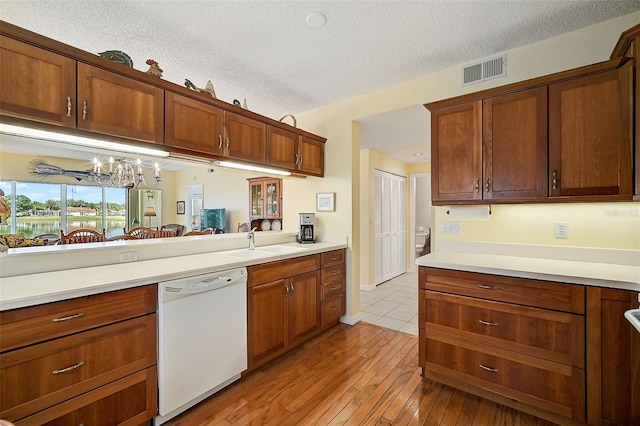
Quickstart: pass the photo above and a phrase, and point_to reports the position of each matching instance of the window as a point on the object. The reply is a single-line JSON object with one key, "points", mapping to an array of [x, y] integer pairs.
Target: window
{"points": [[41, 208]]}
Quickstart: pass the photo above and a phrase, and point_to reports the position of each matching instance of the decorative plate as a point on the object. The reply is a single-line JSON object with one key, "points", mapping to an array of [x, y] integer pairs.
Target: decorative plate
{"points": [[276, 225], [117, 56], [266, 225]]}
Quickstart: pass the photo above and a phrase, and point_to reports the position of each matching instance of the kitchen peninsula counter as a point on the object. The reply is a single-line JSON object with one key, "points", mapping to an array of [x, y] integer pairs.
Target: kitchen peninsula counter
{"points": [[28, 289], [609, 268]]}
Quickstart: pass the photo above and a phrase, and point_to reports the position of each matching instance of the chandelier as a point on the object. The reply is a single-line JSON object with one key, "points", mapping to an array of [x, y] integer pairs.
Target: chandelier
{"points": [[123, 172]]}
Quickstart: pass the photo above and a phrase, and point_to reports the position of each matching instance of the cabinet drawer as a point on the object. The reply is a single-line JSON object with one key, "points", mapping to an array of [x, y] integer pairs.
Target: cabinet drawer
{"points": [[333, 287], [332, 310], [128, 401], [521, 291], [556, 336], [272, 271], [39, 376], [332, 273], [333, 257], [25, 326], [547, 385]]}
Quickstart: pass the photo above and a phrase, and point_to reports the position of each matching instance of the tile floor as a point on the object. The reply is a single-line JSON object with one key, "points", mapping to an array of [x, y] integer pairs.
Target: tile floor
{"points": [[393, 304]]}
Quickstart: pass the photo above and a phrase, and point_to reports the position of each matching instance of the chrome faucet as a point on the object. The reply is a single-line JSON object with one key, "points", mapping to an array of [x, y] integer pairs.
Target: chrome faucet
{"points": [[251, 236]]}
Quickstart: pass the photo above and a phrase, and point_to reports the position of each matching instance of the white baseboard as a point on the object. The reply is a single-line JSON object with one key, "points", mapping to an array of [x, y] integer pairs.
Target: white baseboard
{"points": [[367, 287], [351, 320]]}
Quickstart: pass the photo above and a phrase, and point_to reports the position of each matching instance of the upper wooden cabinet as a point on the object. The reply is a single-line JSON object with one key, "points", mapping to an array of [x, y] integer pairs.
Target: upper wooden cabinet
{"points": [[45, 81], [456, 153], [192, 125], [590, 135], [115, 105], [515, 146], [36, 84], [244, 138], [564, 137], [294, 152]]}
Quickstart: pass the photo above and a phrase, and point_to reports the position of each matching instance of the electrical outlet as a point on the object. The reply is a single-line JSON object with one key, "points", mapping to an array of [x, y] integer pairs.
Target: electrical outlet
{"points": [[562, 230], [451, 228], [131, 256]]}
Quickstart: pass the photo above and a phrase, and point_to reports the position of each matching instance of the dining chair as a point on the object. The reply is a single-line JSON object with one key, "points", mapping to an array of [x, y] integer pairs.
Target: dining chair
{"points": [[82, 235], [206, 231], [142, 233], [49, 239], [179, 229]]}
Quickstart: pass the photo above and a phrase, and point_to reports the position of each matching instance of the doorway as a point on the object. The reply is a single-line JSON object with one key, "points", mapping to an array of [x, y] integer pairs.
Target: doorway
{"points": [[420, 215]]}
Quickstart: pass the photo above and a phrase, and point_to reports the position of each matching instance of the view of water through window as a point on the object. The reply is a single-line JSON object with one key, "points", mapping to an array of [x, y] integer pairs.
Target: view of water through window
{"points": [[45, 208]]}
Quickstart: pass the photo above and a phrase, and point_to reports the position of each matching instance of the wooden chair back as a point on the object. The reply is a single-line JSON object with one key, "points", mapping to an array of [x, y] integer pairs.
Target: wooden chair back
{"points": [[142, 233], [179, 229], [83, 235], [50, 239], [166, 233]]}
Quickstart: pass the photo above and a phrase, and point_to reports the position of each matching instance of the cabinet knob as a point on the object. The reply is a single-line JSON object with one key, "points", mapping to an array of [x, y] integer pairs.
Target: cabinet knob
{"points": [[69, 106]]}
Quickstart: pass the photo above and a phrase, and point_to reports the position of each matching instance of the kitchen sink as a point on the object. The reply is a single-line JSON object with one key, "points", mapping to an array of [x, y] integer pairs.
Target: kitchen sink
{"points": [[283, 249], [633, 315], [248, 254]]}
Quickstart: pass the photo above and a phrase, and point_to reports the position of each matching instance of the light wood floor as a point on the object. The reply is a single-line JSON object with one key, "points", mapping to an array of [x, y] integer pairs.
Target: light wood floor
{"points": [[358, 375]]}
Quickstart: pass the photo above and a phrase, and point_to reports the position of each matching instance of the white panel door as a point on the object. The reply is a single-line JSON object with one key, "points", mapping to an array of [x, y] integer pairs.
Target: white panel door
{"points": [[389, 226]]}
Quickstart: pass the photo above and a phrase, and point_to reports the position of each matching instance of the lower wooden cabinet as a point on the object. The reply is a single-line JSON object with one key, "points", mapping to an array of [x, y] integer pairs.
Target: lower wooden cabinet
{"points": [[128, 401], [290, 301], [613, 358], [562, 352], [89, 360]]}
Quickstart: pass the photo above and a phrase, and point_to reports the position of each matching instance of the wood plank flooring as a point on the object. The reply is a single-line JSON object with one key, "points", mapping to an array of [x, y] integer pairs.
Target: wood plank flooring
{"points": [[350, 375]]}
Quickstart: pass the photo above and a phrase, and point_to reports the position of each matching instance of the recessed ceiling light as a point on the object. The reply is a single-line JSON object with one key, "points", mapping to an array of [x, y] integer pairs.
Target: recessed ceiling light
{"points": [[418, 154], [316, 19]]}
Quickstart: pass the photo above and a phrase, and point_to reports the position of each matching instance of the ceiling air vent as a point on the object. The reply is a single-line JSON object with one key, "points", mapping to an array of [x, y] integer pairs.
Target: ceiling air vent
{"points": [[485, 70]]}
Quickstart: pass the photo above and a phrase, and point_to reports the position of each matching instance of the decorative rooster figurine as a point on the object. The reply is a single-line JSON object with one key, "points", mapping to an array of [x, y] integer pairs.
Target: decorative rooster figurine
{"points": [[154, 68]]}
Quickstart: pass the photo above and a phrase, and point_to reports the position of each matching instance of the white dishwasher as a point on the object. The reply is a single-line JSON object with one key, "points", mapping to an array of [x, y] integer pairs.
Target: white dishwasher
{"points": [[202, 338]]}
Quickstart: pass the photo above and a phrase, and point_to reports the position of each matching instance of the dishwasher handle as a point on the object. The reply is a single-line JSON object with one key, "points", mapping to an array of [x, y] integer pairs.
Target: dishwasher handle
{"points": [[201, 286]]}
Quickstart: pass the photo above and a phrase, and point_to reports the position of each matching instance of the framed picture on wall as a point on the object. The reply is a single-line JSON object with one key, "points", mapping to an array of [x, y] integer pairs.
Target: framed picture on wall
{"points": [[326, 202], [180, 207]]}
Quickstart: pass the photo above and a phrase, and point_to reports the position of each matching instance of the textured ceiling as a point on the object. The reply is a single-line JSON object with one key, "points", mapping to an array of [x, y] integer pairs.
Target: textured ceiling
{"points": [[265, 52]]}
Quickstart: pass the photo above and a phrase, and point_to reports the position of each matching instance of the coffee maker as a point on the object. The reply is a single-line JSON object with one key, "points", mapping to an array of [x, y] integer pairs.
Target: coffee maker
{"points": [[307, 228]]}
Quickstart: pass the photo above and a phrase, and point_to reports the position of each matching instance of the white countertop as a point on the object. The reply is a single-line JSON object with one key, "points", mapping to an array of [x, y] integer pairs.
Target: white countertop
{"points": [[44, 287], [615, 269]]}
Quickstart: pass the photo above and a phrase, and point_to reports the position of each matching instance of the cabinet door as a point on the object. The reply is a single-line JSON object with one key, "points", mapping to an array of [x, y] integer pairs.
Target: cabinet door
{"points": [[590, 134], [119, 106], [266, 313], [310, 156], [244, 138], [192, 125], [613, 363], [36, 84], [256, 198], [304, 303], [273, 196], [281, 148], [456, 153], [515, 145]]}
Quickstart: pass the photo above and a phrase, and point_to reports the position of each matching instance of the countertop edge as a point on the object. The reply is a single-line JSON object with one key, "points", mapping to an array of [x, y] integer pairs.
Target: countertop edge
{"points": [[565, 271], [27, 290]]}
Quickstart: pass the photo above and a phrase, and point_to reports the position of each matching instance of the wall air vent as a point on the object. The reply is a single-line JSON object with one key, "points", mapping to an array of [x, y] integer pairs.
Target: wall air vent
{"points": [[485, 70]]}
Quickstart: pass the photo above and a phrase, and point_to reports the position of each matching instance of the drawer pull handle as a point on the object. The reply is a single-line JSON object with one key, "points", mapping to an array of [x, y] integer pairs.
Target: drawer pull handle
{"points": [[333, 258], [332, 288], [484, 367], [84, 110], [65, 370], [70, 317], [69, 106], [488, 287], [334, 272], [333, 308], [492, 324]]}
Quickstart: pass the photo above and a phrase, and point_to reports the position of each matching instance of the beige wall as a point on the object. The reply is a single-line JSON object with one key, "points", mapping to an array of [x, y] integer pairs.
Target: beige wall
{"points": [[335, 121]]}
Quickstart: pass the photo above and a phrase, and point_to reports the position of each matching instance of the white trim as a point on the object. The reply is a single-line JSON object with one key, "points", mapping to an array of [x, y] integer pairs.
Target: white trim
{"points": [[351, 320]]}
